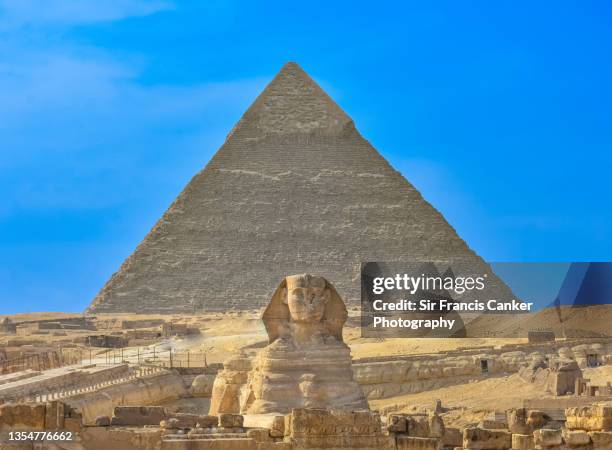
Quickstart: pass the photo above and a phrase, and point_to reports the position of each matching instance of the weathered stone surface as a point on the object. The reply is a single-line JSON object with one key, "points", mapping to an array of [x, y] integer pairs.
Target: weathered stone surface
{"points": [[336, 429], [187, 420], [537, 420], [576, 438], [259, 434], [202, 385], [277, 428], [417, 443], [230, 420], [138, 415], [602, 440], [396, 423], [590, 418], [105, 438], [102, 421], [517, 421], [152, 390], [453, 437], [562, 377], [306, 363], [522, 442], [15, 417], [547, 437], [54, 415], [325, 422], [228, 393], [477, 438], [169, 424], [296, 174], [488, 424]]}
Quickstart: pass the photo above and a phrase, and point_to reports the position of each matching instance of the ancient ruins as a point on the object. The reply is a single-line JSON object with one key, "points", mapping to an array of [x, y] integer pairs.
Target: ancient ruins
{"points": [[306, 364], [231, 350]]}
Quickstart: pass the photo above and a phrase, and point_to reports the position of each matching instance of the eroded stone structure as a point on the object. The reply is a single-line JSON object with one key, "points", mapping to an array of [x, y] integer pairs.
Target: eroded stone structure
{"points": [[306, 364]]}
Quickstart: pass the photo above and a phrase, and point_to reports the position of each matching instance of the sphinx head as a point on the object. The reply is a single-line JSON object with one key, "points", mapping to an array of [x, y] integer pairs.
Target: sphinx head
{"points": [[305, 299], [306, 296]]}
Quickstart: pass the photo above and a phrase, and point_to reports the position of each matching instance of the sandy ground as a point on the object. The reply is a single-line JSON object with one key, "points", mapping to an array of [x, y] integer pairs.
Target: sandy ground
{"points": [[223, 334]]}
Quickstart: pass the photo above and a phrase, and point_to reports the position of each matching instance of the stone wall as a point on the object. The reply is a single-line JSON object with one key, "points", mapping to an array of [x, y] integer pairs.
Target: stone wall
{"points": [[155, 389], [392, 378], [383, 377]]}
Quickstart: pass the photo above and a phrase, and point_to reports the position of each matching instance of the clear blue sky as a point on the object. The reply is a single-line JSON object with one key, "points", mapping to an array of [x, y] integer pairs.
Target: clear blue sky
{"points": [[500, 112]]}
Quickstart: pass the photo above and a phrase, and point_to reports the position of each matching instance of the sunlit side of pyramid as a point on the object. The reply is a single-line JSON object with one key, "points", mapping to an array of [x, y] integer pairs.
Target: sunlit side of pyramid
{"points": [[295, 188]]}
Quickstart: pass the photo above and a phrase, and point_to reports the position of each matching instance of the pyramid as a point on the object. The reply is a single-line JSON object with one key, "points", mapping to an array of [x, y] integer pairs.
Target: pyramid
{"points": [[295, 188]]}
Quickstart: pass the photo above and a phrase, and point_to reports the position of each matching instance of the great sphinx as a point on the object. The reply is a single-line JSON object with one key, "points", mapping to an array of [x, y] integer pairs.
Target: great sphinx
{"points": [[306, 363]]}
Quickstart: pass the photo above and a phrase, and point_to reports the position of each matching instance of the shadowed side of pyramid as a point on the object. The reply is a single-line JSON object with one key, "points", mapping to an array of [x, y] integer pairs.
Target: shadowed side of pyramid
{"points": [[294, 189]]}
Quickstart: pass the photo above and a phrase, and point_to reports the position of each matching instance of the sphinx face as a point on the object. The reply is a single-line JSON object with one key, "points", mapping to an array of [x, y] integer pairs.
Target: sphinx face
{"points": [[307, 298]]}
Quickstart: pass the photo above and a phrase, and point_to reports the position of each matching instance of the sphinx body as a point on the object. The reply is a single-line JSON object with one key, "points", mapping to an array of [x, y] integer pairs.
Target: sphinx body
{"points": [[306, 363]]}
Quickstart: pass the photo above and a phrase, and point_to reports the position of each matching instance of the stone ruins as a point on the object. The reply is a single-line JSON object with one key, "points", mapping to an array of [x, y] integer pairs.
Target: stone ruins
{"points": [[306, 364], [300, 389]]}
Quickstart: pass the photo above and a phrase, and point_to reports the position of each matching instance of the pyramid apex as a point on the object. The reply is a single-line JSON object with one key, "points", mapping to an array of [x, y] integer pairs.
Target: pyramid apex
{"points": [[293, 103]]}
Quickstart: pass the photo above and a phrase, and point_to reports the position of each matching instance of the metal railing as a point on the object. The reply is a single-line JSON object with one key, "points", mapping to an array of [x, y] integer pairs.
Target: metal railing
{"points": [[168, 358]]}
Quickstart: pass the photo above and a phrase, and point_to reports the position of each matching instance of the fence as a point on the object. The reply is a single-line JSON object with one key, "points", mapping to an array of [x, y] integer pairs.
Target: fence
{"points": [[153, 356], [38, 361], [69, 356]]}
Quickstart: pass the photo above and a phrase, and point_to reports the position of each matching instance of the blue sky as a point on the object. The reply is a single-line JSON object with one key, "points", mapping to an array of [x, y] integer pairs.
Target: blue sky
{"points": [[499, 112]]}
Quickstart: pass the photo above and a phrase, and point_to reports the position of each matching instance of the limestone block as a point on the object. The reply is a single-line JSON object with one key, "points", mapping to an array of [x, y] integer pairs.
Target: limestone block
{"points": [[277, 428], [537, 420], [202, 385], [282, 446], [323, 422], [109, 438], [602, 440], [492, 424], [231, 420], [138, 415], [396, 423], [259, 434], [436, 426], [169, 424], [547, 437], [417, 443], [596, 417], [54, 415], [576, 438], [102, 421], [228, 384], [187, 420], [517, 421], [417, 425], [14, 417], [522, 442], [453, 437], [477, 438]]}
